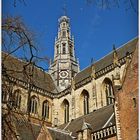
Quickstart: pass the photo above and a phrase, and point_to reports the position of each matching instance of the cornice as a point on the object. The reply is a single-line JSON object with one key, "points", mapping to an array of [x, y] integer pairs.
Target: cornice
{"points": [[85, 81], [32, 87]]}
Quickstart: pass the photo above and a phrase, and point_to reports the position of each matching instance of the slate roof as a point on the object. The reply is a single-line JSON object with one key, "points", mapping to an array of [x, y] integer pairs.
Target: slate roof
{"points": [[41, 78], [28, 131], [59, 134], [107, 60], [97, 119]]}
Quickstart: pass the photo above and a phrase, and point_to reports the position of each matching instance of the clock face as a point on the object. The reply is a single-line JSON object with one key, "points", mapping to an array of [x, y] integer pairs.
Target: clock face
{"points": [[63, 74]]}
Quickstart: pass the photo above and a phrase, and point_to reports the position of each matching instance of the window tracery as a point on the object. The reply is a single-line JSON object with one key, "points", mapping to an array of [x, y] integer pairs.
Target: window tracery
{"points": [[33, 105], [45, 110]]}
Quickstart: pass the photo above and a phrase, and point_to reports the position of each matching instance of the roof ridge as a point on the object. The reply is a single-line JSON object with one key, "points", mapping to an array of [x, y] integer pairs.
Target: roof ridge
{"points": [[9, 55], [120, 46], [59, 130]]}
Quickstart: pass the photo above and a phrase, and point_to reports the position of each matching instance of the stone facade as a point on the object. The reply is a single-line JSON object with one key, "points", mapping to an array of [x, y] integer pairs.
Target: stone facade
{"points": [[97, 97], [72, 94]]}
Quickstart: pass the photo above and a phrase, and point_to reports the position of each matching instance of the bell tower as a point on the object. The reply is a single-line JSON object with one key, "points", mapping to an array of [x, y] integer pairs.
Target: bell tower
{"points": [[65, 65]]}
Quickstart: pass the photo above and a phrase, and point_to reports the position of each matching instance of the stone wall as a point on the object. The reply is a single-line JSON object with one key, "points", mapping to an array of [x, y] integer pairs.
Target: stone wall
{"points": [[112, 138], [97, 98], [40, 99]]}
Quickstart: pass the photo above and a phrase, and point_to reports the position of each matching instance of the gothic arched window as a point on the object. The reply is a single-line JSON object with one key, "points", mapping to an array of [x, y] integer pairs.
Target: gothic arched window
{"points": [[85, 98], [65, 105], [17, 99], [109, 91], [86, 107], [45, 109], [66, 113], [33, 105]]}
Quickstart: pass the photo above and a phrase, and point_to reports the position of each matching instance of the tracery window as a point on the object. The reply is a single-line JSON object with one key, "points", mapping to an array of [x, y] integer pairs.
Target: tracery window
{"points": [[15, 99], [66, 110], [66, 113], [109, 92], [18, 99], [33, 105], [45, 110], [86, 107], [85, 98]]}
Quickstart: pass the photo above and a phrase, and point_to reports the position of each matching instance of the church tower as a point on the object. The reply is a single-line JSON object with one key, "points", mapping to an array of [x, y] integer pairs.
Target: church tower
{"points": [[65, 65]]}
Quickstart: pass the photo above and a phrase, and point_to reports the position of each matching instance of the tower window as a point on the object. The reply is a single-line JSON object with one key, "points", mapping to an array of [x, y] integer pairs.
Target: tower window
{"points": [[64, 33], [64, 48], [73, 73], [64, 24], [57, 49], [71, 51], [45, 110]]}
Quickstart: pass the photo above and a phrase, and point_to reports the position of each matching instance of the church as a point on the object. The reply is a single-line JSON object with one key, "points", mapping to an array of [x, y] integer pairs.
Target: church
{"points": [[99, 102]]}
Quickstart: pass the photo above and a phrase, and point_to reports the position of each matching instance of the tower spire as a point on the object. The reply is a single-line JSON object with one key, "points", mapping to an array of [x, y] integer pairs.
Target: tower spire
{"points": [[64, 66]]}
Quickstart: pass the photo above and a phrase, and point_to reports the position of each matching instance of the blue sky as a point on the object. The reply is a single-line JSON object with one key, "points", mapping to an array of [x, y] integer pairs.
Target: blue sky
{"points": [[95, 29]]}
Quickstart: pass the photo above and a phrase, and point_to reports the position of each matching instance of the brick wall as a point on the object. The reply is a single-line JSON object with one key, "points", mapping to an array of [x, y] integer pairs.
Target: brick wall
{"points": [[127, 99]]}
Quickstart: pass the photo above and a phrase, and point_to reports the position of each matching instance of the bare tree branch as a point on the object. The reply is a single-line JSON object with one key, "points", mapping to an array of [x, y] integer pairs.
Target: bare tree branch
{"points": [[17, 38]]}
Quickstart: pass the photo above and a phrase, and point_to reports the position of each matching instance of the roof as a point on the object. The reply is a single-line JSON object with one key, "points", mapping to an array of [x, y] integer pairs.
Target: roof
{"points": [[30, 131], [96, 119], [59, 134], [40, 78], [107, 60]]}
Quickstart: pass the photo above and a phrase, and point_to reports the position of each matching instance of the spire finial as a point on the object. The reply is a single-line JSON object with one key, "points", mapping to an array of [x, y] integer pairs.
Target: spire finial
{"points": [[92, 61], [114, 48], [64, 8]]}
